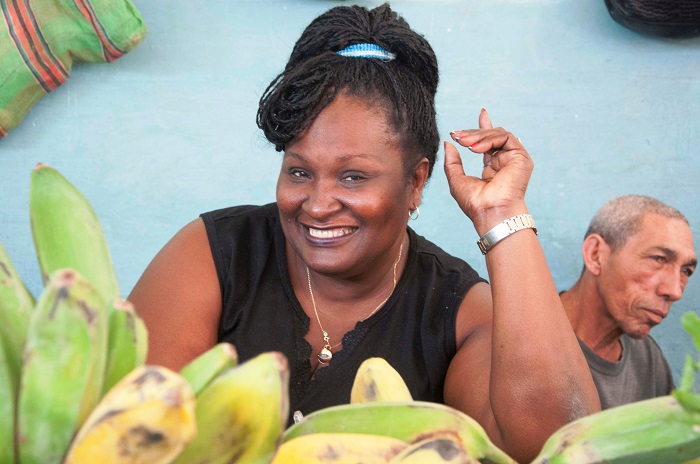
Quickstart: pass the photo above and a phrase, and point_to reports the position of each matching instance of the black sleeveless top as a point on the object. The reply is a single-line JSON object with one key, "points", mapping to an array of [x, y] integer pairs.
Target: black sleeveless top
{"points": [[414, 330]]}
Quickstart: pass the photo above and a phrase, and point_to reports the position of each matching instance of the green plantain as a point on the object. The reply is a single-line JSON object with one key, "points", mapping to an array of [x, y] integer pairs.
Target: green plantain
{"points": [[409, 421], [650, 431], [202, 370], [67, 233], [127, 345], [8, 399], [64, 361], [16, 307]]}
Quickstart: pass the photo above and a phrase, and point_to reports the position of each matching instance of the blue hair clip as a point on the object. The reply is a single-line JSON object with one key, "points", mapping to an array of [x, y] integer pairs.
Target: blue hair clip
{"points": [[366, 50]]}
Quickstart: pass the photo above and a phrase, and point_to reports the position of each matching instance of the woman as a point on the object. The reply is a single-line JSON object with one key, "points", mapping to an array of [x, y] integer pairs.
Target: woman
{"points": [[330, 274]]}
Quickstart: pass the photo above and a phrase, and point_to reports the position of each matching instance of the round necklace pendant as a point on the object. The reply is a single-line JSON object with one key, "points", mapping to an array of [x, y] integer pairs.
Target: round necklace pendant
{"points": [[325, 356]]}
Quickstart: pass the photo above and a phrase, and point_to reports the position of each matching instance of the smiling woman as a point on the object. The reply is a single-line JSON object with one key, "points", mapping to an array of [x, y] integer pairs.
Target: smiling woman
{"points": [[331, 274]]}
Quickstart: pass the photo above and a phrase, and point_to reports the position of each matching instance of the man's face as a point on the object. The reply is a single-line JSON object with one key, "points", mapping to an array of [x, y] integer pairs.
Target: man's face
{"points": [[640, 281]]}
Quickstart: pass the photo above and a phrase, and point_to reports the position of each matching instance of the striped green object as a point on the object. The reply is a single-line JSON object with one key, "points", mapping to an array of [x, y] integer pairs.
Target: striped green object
{"points": [[41, 39]]}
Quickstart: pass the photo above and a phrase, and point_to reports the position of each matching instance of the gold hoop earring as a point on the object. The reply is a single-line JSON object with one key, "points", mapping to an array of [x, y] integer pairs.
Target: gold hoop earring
{"points": [[412, 215]]}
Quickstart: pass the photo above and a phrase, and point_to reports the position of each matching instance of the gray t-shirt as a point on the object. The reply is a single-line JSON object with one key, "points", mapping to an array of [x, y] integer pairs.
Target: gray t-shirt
{"points": [[641, 373]]}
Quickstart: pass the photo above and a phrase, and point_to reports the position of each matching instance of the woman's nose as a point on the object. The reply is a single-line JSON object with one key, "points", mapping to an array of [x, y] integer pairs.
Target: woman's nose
{"points": [[322, 201]]}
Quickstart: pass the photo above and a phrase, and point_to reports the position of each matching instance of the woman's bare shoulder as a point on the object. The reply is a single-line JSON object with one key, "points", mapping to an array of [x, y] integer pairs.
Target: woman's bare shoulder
{"points": [[179, 298]]}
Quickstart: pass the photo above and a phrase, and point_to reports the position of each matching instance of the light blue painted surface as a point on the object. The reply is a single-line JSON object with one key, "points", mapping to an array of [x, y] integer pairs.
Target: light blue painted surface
{"points": [[168, 131]]}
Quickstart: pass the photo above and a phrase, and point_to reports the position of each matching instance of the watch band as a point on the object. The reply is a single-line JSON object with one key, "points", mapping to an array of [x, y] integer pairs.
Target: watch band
{"points": [[504, 229]]}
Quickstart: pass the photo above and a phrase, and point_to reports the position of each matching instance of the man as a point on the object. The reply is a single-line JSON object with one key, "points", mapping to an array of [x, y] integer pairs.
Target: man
{"points": [[638, 255]]}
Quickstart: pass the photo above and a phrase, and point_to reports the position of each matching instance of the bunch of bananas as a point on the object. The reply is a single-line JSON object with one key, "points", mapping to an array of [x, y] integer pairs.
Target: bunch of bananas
{"points": [[73, 385], [74, 388], [71, 362], [383, 424]]}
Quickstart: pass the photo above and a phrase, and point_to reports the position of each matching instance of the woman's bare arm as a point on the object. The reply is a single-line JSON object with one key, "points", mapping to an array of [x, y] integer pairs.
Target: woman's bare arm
{"points": [[179, 298], [519, 369]]}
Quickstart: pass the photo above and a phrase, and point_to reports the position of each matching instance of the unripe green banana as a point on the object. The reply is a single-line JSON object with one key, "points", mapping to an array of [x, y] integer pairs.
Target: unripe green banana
{"points": [[377, 380], [127, 345], [67, 233], [8, 399], [434, 451], [146, 418], [409, 421], [64, 361], [245, 410], [339, 448], [202, 370], [16, 307], [651, 431]]}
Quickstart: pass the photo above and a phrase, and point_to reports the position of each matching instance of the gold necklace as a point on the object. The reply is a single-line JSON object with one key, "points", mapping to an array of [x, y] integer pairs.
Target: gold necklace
{"points": [[326, 354]]}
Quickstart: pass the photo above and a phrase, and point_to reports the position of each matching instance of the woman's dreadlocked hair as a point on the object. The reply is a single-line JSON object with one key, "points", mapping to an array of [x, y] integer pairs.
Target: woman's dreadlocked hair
{"points": [[315, 74]]}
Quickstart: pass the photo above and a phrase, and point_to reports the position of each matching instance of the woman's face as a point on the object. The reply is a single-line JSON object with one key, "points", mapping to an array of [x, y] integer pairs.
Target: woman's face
{"points": [[342, 193]]}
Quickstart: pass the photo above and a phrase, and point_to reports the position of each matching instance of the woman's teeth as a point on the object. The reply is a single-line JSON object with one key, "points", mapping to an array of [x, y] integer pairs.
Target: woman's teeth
{"points": [[329, 233]]}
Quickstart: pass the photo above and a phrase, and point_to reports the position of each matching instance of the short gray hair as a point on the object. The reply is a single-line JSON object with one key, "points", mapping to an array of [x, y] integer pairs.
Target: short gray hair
{"points": [[620, 218]]}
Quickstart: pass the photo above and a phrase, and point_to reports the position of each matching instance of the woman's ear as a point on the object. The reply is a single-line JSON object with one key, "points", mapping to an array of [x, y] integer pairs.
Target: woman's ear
{"points": [[419, 179], [595, 253]]}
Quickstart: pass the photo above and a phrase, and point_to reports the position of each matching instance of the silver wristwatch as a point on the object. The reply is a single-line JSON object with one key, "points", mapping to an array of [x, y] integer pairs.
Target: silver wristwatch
{"points": [[504, 229]]}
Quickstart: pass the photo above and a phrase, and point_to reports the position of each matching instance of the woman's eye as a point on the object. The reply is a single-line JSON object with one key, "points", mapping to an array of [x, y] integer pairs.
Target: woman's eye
{"points": [[353, 177], [298, 173]]}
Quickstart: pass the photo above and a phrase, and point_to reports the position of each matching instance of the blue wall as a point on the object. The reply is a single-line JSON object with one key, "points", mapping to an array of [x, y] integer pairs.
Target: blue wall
{"points": [[168, 131]]}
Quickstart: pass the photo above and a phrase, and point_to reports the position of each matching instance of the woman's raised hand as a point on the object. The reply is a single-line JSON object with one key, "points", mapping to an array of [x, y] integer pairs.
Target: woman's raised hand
{"points": [[500, 191]]}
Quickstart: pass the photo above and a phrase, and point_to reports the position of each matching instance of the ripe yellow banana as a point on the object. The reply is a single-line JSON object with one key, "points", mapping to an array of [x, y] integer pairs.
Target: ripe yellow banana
{"points": [[339, 448], [654, 431], [128, 343], [146, 418], [409, 421], [202, 370], [64, 361], [434, 451], [67, 233], [242, 413], [377, 380]]}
